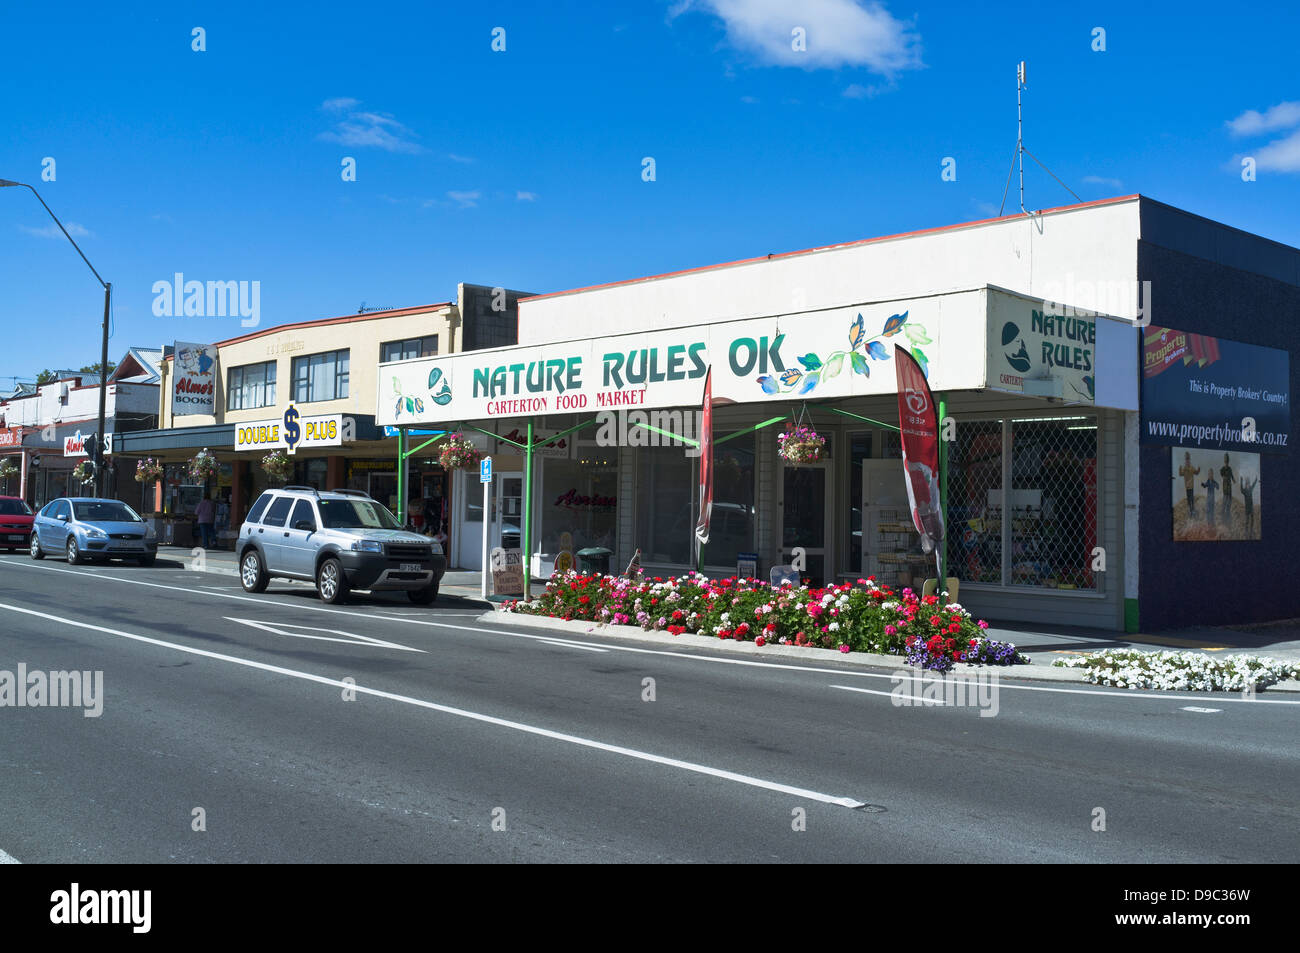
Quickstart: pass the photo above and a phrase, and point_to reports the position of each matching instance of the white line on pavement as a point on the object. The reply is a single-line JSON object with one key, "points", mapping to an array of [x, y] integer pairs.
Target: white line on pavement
{"points": [[460, 713], [8, 858], [717, 660], [572, 645], [872, 691]]}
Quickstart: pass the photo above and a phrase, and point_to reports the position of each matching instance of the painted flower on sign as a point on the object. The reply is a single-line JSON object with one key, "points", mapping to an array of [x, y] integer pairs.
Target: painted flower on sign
{"points": [[861, 352]]}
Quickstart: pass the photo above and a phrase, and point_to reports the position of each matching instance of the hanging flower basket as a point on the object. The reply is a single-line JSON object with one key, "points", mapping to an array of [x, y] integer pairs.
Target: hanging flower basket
{"points": [[277, 465], [7, 469], [203, 465], [458, 453], [800, 444], [148, 470], [83, 472]]}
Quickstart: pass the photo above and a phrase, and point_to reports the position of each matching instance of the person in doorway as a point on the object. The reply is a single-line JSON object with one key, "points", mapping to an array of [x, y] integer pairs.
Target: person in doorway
{"points": [[1248, 500], [1188, 473], [430, 516], [1211, 487], [1227, 476], [206, 514]]}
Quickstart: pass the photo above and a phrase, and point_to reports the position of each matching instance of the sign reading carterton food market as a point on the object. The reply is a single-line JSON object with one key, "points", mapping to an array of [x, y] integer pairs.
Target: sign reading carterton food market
{"points": [[839, 352], [290, 432]]}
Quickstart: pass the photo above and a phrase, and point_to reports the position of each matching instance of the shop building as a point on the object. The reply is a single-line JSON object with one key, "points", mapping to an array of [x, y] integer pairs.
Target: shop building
{"points": [[308, 389], [42, 428], [1031, 329]]}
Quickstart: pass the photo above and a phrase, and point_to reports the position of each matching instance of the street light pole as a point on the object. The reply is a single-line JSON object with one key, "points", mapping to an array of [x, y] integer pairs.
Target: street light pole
{"points": [[100, 479]]}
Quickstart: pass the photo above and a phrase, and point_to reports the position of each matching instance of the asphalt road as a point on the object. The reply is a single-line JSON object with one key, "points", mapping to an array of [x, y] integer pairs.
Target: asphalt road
{"points": [[472, 742]]}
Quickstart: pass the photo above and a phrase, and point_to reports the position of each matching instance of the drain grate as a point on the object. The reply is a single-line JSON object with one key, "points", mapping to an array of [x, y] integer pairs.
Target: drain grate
{"points": [[872, 809]]}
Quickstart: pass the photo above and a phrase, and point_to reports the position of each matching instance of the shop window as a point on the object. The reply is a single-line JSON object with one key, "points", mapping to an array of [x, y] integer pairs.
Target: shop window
{"points": [[974, 506], [1053, 509], [319, 377], [252, 385], [579, 502], [732, 526], [665, 512], [426, 346], [1046, 521]]}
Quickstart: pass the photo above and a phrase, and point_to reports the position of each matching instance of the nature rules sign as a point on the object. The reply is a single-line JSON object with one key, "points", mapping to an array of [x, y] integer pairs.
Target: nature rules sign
{"points": [[830, 354]]}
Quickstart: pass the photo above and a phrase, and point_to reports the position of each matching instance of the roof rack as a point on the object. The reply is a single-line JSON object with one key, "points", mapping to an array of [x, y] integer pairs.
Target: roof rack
{"points": [[361, 493], [305, 489]]}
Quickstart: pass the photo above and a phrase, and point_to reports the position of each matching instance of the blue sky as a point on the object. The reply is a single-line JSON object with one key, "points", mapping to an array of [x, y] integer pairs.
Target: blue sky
{"points": [[523, 168]]}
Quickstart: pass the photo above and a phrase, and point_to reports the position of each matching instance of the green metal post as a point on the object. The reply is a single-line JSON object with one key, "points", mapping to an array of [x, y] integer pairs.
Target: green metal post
{"points": [[943, 497], [528, 514], [401, 475]]}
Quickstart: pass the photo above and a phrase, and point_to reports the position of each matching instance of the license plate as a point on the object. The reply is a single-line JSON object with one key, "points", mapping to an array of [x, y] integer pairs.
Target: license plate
{"points": [[17, 538], [412, 567]]}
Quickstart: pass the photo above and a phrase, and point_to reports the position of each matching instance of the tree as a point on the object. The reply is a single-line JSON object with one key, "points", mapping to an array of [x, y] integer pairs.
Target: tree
{"points": [[95, 368], [45, 376]]}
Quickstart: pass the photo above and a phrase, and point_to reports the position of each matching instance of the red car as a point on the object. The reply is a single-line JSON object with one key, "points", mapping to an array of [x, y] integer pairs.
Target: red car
{"points": [[15, 523]]}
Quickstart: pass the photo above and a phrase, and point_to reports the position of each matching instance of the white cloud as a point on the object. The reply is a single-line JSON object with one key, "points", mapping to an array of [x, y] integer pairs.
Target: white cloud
{"points": [[838, 33], [367, 128], [522, 196], [465, 199], [858, 91], [1281, 116], [1102, 180], [52, 230], [1280, 156], [750, 100], [455, 158]]}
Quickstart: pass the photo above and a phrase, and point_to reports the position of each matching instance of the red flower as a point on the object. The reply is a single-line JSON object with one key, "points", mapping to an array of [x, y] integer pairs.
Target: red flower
{"points": [[584, 599], [935, 620]]}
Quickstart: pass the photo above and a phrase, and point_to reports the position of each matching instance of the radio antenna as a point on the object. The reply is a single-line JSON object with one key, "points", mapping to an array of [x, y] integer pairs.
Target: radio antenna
{"points": [[1018, 160]]}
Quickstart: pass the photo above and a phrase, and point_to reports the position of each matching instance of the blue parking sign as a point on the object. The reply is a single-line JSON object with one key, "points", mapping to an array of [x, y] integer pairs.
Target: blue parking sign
{"points": [[485, 470]]}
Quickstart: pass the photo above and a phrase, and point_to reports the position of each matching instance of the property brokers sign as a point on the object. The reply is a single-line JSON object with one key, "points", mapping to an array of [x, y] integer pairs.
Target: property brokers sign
{"points": [[1206, 393]]}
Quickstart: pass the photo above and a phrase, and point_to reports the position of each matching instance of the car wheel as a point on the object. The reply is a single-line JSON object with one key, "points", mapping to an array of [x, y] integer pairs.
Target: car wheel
{"points": [[423, 597], [331, 583], [35, 550], [74, 554], [252, 575]]}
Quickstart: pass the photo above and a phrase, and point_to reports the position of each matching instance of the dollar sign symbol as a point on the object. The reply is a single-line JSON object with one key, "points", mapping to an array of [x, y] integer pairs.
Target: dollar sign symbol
{"points": [[291, 430]]}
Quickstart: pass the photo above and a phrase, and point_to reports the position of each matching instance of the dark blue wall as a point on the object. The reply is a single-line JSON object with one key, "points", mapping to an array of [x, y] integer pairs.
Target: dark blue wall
{"points": [[1195, 583]]}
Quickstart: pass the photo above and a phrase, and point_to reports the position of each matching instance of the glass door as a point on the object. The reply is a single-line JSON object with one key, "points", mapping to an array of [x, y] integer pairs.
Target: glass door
{"points": [[508, 510], [805, 515]]}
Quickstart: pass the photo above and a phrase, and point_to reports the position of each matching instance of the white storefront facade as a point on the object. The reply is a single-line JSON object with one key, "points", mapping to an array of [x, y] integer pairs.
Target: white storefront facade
{"points": [[1025, 326]]}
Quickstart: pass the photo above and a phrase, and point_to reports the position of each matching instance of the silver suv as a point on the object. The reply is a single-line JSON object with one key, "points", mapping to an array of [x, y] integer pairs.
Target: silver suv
{"points": [[339, 539]]}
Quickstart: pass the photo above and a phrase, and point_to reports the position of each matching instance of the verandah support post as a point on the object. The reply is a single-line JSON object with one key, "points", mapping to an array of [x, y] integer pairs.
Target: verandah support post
{"points": [[528, 514], [401, 475], [942, 582]]}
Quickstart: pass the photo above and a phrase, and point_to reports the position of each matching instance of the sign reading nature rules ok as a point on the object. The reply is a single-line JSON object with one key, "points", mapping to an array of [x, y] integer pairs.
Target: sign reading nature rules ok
{"points": [[827, 354]]}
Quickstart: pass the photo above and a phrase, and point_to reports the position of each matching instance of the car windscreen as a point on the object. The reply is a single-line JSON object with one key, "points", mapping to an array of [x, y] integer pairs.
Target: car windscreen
{"points": [[356, 514], [104, 511], [14, 508]]}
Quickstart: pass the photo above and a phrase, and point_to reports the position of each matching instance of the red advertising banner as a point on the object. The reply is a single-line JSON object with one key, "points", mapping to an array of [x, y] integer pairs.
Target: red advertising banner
{"points": [[706, 461], [918, 419]]}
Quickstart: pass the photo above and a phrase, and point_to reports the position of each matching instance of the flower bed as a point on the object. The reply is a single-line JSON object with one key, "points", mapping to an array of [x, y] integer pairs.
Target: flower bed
{"points": [[1180, 671], [851, 618]]}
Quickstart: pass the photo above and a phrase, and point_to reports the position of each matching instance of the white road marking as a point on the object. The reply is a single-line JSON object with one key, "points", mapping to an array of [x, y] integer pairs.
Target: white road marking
{"points": [[460, 713], [8, 858], [872, 691], [717, 660], [1206, 711], [348, 638], [572, 645]]}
